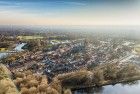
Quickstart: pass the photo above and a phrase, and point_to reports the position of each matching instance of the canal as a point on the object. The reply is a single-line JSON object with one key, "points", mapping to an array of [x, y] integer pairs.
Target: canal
{"points": [[123, 88]]}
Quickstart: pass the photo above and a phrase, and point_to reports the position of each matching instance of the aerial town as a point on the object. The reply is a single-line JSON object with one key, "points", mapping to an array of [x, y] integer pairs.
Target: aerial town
{"points": [[34, 59], [69, 46]]}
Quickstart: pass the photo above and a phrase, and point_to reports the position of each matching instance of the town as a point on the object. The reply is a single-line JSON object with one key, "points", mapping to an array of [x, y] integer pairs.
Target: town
{"points": [[69, 46], [61, 54]]}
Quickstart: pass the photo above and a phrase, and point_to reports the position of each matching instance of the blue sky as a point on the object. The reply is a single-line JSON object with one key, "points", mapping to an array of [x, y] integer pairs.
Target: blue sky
{"points": [[70, 12]]}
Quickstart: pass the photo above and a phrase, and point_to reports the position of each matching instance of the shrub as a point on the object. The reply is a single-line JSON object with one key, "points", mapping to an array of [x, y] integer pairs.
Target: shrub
{"points": [[25, 91], [50, 90], [67, 91]]}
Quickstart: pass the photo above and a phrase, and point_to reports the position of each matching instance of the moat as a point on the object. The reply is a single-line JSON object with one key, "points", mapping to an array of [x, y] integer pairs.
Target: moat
{"points": [[126, 88]]}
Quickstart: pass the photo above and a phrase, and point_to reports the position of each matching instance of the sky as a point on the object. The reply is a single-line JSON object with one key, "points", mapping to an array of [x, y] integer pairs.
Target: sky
{"points": [[69, 12]]}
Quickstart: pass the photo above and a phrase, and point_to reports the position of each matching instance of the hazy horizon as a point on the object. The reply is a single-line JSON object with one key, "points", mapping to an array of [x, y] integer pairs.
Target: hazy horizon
{"points": [[119, 31]]}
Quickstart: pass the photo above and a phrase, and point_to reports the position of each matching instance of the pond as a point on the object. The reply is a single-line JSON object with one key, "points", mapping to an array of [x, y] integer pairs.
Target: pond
{"points": [[124, 88]]}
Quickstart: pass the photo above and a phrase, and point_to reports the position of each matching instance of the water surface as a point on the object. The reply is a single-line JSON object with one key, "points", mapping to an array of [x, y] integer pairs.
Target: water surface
{"points": [[18, 48], [127, 88]]}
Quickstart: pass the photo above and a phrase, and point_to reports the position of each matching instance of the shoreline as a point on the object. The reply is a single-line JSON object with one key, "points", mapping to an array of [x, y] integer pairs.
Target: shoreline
{"points": [[105, 83]]}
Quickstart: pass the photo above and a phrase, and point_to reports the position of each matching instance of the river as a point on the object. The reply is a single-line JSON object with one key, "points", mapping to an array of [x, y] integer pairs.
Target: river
{"points": [[127, 88], [18, 48]]}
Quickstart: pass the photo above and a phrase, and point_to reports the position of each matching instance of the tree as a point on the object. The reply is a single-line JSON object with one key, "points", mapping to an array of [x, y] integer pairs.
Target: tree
{"points": [[97, 76], [67, 91], [33, 90], [18, 81], [50, 90], [110, 72], [25, 91], [32, 83], [42, 88], [56, 84], [19, 75]]}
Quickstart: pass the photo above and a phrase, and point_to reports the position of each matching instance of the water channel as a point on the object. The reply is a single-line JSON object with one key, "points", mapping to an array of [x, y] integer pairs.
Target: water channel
{"points": [[18, 48], [123, 88]]}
